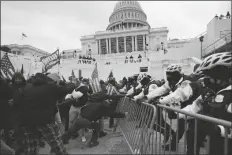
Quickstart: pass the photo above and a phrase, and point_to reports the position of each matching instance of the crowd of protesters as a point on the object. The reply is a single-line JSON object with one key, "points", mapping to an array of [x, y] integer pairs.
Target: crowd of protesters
{"points": [[86, 60], [38, 108], [46, 108], [132, 60]]}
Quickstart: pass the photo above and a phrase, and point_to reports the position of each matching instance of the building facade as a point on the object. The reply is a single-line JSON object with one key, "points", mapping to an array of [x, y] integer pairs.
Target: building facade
{"points": [[27, 50], [71, 53], [128, 31]]}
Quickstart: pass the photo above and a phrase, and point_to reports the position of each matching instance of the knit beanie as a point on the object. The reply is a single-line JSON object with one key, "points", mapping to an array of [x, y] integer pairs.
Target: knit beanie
{"points": [[54, 76]]}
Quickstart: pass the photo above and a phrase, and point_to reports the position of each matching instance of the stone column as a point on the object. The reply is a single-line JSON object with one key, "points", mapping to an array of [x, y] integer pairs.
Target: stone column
{"points": [[117, 45], [147, 41], [144, 44], [136, 44], [133, 45], [109, 46], [100, 51], [124, 44]]}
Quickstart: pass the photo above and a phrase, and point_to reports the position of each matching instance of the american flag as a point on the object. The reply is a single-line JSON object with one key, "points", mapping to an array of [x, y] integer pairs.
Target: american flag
{"points": [[7, 69], [111, 89], [24, 35], [95, 73], [94, 83]]}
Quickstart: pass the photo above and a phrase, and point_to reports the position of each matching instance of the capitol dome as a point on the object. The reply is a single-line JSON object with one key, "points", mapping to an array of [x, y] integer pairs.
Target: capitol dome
{"points": [[130, 13]]}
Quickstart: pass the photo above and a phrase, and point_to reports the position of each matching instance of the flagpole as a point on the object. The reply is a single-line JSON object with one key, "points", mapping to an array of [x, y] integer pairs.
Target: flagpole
{"points": [[28, 75], [22, 39], [59, 62], [98, 72]]}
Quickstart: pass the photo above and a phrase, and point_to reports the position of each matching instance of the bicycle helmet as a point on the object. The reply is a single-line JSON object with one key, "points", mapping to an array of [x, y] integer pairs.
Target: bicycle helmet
{"points": [[174, 68], [216, 65], [219, 59], [195, 67], [198, 75], [141, 76]]}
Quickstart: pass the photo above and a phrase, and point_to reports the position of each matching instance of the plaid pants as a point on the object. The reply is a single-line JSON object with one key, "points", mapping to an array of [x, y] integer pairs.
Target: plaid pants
{"points": [[28, 139]]}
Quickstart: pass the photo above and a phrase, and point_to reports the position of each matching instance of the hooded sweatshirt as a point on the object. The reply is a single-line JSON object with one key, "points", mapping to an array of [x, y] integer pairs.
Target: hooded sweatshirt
{"points": [[37, 103]]}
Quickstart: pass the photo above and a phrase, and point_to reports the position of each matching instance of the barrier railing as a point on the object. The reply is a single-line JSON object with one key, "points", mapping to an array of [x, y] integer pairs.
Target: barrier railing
{"points": [[190, 131], [136, 128], [149, 130]]}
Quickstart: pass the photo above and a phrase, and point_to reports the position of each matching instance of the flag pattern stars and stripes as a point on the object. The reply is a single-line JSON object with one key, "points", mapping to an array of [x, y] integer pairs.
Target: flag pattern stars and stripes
{"points": [[7, 69], [94, 83], [111, 89], [95, 73]]}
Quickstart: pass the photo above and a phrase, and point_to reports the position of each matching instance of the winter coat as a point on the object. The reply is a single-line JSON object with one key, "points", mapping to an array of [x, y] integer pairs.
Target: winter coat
{"points": [[37, 103], [5, 109]]}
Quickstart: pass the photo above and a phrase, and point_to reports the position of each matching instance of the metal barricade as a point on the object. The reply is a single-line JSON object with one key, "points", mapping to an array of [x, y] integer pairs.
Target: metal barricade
{"points": [[136, 128], [187, 134], [147, 128]]}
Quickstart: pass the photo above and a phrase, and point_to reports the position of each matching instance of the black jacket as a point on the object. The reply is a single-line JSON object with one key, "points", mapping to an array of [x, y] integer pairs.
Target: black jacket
{"points": [[5, 109], [196, 86], [102, 96], [37, 103], [96, 111]]}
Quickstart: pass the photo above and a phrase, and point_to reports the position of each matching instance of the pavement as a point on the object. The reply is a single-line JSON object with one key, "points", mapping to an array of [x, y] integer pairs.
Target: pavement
{"points": [[115, 143], [112, 143]]}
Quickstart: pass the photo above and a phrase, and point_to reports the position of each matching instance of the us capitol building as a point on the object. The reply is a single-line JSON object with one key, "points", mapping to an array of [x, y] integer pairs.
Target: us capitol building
{"points": [[128, 31]]}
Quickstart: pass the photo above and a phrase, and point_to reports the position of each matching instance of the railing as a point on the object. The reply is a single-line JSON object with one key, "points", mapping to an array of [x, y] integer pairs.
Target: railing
{"points": [[148, 126], [159, 29], [217, 44], [224, 33], [137, 126], [87, 37]]}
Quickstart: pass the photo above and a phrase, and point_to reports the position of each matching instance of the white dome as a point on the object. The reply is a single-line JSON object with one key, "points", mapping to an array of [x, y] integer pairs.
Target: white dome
{"points": [[129, 12], [125, 4]]}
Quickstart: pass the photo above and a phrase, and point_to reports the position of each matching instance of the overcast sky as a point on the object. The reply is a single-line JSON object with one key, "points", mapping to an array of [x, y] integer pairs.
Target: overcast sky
{"points": [[53, 24]]}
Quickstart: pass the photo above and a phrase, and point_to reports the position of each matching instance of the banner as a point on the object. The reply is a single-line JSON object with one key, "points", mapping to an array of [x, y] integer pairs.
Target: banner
{"points": [[50, 60]]}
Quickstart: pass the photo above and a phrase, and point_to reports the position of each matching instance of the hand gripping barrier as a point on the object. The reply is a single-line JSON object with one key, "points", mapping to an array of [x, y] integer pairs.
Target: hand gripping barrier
{"points": [[160, 129], [136, 128], [191, 134]]}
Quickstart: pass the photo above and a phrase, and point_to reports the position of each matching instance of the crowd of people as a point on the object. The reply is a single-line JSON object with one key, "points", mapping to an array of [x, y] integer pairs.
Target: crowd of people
{"points": [[86, 60], [132, 60], [207, 91], [46, 108], [39, 108]]}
